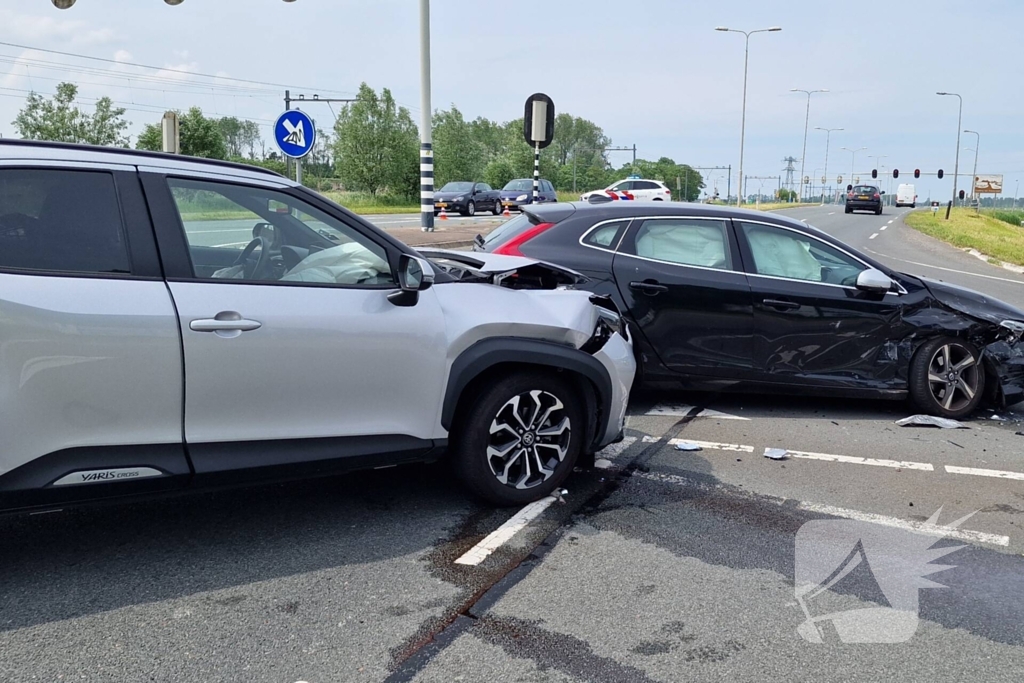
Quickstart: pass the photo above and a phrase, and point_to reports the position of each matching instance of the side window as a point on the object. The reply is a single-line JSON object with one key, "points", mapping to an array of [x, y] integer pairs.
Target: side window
{"points": [[644, 185], [483, 187], [785, 253], [686, 241], [236, 232], [547, 186], [606, 236], [624, 186], [59, 220]]}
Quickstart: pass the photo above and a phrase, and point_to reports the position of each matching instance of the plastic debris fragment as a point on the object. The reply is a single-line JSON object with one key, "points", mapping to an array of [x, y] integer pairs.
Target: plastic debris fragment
{"points": [[930, 421], [776, 453], [687, 446], [602, 464]]}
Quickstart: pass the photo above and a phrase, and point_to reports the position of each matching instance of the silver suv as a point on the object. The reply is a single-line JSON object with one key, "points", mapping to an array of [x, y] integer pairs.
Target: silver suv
{"points": [[168, 322]]}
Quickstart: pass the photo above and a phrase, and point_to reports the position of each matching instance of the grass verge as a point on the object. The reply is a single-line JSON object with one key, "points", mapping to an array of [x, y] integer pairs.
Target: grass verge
{"points": [[967, 229]]}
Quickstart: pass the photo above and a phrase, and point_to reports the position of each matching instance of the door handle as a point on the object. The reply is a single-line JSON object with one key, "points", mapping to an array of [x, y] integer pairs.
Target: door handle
{"points": [[781, 305], [651, 288], [224, 322]]}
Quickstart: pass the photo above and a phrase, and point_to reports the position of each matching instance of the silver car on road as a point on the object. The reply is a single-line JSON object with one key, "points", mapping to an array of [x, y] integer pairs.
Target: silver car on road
{"points": [[168, 322]]}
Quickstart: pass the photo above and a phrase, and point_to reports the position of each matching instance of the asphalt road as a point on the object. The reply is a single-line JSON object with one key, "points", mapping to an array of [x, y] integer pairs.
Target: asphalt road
{"points": [[660, 565]]}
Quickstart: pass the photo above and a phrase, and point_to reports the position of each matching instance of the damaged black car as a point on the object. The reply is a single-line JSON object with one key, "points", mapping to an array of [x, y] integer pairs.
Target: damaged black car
{"points": [[720, 298]]}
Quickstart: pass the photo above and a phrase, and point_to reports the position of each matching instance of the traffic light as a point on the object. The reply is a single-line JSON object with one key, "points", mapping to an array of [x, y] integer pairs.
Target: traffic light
{"points": [[895, 173], [940, 174], [917, 173], [874, 173], [961, 195]]}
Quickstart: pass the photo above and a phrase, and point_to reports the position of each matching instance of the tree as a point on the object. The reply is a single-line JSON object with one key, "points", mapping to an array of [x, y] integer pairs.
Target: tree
{"points": [[240, 136], [457, 155], [58, 119], [376, 145], [200, 136]]}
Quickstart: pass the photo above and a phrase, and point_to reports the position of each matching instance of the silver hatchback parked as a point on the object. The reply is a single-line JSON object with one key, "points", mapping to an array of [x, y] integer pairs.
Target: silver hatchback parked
{"points": [[168, 322]]}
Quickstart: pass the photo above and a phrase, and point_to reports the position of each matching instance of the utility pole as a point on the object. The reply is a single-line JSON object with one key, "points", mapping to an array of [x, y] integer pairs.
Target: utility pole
{"points": [[426, 125], [807, 121], [828, 137], [974, 177], [959, 126]]}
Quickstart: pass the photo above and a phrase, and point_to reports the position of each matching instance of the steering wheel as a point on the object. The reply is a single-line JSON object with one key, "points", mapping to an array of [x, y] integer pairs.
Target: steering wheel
{"points": [[254, 271]]}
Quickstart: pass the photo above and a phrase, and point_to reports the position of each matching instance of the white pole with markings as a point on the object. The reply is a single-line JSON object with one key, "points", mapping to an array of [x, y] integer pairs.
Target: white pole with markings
{"points": [[426, 122]]}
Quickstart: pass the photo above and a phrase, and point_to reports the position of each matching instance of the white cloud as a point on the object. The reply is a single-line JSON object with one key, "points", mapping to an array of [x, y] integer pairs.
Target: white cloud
{"points": [[122, 56], [45, 28]]}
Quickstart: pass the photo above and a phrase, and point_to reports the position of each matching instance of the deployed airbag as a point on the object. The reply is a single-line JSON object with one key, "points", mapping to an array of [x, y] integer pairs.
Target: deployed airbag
{"points": [[783, 256], [345, 264], [693, 245]]}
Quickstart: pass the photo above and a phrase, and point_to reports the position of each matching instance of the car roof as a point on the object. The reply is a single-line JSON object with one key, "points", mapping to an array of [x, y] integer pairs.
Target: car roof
{"points": [[38, 150]]}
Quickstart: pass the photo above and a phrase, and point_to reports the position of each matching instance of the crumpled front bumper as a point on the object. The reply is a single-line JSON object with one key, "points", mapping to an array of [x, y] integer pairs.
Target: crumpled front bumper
{"points": [[617, 358], [1006, 359]]}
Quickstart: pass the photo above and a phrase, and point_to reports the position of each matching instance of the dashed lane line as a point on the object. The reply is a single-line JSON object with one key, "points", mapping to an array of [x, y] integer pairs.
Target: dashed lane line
{"points": [[500, 536], [852, 460], [873, 236], [909, 525], [999, 474], [949, 270]]}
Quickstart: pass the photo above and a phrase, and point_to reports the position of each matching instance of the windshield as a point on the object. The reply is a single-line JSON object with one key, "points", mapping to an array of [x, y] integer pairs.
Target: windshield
{"points": [[519, 185], [865, 189], [457, 187]]}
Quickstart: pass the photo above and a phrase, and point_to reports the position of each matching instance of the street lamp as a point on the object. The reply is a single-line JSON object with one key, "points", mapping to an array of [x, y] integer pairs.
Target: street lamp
{"points": [[974, 178], [828, 136], [743, 120], [853, 163], [807, 120], [959, 124]]}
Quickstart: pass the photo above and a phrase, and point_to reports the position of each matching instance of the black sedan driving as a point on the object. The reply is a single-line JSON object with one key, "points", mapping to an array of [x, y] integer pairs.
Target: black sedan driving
{"points": [[864, 198], [467, 198], [721, 298]]}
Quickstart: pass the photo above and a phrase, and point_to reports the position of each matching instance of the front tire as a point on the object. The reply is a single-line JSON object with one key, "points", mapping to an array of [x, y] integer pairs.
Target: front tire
{"points": [[470, 209], [519, 438], [497, 207], [947, 378]]}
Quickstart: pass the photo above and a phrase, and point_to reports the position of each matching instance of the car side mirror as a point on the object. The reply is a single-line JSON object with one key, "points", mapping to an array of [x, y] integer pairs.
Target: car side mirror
{"points": [[874, 281], [414, 275]]}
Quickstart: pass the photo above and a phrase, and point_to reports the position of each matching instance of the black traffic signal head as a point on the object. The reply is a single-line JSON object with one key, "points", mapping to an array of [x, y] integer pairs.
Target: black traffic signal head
{"points": [[917, 173], [895, 173], [874, 173], [940, 174], [961, 194]]}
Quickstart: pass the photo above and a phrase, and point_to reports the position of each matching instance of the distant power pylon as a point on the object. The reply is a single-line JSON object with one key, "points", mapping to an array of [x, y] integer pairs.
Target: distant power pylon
{"points": [[789, 170]]}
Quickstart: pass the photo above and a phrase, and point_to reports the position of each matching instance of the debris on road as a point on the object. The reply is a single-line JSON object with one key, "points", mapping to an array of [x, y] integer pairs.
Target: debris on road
{"points": [[687, 446], [776, 453], [930, 421], [955, 443], [602, 464], [997, 418], [559, 495]]}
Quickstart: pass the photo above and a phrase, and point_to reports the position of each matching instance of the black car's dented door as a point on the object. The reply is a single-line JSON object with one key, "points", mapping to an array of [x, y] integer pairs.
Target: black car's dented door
{"points": [[813, 326], [684, 288]]}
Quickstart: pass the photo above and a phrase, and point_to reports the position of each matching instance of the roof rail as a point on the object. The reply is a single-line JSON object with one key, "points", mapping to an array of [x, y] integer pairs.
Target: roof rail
{"points": [[135, 152]]}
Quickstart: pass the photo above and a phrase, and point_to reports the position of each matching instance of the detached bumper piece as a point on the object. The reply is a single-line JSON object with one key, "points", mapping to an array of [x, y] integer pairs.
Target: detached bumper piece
{"points": [[1006, 358]]}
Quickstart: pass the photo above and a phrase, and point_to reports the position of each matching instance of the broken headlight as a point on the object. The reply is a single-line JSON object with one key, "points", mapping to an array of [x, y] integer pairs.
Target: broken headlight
{"points": [[1015, 327]]}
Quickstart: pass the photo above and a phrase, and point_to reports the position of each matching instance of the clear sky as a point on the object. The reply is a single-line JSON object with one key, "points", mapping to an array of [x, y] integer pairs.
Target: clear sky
{"points": [[653, 73]]}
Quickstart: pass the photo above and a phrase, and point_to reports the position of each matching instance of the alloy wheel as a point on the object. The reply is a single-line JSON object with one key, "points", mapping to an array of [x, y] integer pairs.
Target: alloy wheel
{"points": [[529, 437], [953, 376], [471, 209]]}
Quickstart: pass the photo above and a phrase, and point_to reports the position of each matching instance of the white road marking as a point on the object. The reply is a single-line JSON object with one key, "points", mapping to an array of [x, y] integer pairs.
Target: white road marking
{"points": [[873, 236], [950, 270], [999, 474], [911, 525], [616, 449], [832, 213], [680, 410], [883, 227], [892, 221], [829, 457], [505, 532]]}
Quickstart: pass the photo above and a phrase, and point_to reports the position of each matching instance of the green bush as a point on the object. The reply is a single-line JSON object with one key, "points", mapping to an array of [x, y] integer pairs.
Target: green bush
{"points": [[1012, 216]]}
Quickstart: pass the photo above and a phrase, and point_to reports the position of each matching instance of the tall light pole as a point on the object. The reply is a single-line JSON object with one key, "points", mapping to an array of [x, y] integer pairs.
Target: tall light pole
{"points": [[807, 121], [426, 123], [853, 163], [743, 121], [828, 136], [977, 148], [959, 126]]}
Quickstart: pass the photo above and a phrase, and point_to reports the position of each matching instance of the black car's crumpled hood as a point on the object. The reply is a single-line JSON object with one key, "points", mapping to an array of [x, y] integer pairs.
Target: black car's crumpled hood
{"points": [[972, 303]]}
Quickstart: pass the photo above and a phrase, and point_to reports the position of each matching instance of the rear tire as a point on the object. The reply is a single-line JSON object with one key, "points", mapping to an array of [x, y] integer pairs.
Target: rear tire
{"points": [[947, 378], [519, 438]]}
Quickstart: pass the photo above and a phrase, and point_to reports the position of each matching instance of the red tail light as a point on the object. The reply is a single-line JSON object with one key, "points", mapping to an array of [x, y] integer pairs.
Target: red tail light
{"points": [[877, 195], [849, 196], [511, 248]]}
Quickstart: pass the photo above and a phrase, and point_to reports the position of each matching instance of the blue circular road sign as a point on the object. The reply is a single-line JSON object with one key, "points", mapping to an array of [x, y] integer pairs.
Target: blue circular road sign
{"points": [[295, 133]]}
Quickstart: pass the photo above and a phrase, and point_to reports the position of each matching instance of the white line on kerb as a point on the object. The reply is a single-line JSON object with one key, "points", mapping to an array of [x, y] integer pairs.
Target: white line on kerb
{"points": [[999, 474], [896, 464], [919, 527], [873, 236], [505, 532]]}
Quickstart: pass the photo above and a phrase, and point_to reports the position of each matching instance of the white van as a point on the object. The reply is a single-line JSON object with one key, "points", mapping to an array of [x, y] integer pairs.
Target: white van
{"points": [[906, 195]]}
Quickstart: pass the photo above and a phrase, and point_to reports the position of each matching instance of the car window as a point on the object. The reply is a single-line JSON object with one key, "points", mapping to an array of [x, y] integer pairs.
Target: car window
{"points": [[457, 187], [605, 236], [60, 220], [518, 185], [685, 241], [236, 232], [624, 186], [507, 230], [644, 185], [547, 186], [785, 253], [865, 189], [483, 187]]}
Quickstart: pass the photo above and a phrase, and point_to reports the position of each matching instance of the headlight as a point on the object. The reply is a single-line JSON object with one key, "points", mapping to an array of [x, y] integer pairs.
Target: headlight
{"points": [[522, 198], [1015, 327], [459, 199]]}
